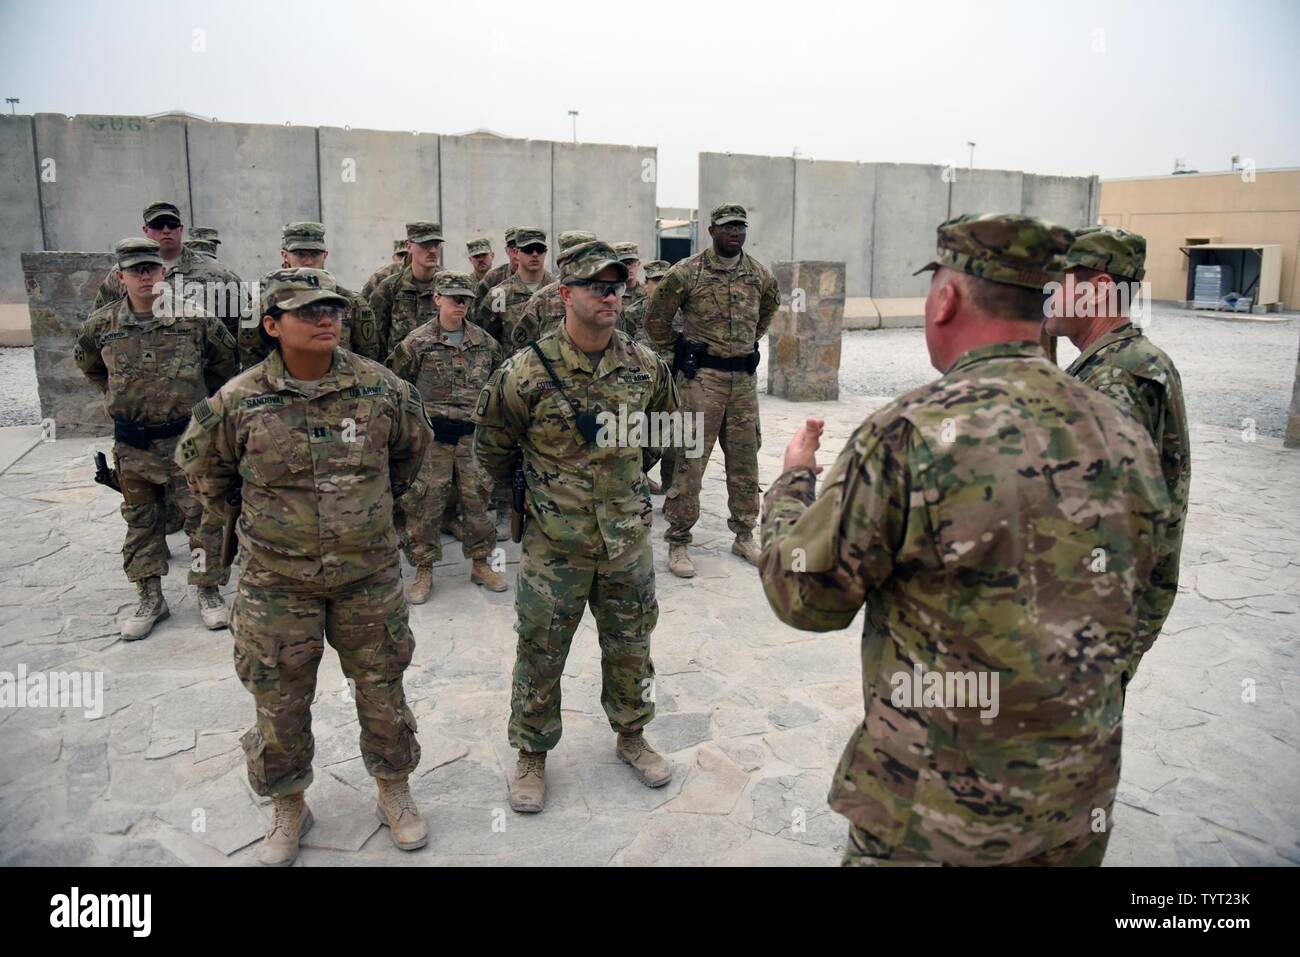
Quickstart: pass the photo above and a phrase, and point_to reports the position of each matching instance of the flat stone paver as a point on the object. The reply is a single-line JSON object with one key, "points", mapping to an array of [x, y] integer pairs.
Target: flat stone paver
{"points": [[752, 713]]}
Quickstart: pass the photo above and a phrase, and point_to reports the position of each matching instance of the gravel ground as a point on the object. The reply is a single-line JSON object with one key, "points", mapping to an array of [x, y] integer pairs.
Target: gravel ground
{"points": [[18, 402], [1232, 371]]}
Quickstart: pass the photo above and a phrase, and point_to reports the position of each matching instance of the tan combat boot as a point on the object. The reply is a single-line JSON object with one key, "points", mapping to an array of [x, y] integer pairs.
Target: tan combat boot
{"points": [[292, 820], [423, 584], [679, 562], [649, 765], [746, 548], [481, 573], [396, 809], [212, 608], [151, 610], [528, 786]]}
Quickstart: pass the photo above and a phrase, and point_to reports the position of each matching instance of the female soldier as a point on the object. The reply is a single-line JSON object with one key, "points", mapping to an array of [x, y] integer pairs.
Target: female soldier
{"points": [[322, 441]]}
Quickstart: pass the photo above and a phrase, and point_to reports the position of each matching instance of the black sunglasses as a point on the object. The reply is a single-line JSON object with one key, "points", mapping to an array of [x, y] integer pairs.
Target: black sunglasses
{"points": [[165, 224], [600, 289], [533, 249]]}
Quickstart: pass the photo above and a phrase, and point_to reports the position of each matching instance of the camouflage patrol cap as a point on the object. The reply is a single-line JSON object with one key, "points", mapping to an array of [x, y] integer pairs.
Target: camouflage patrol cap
{"points": [[572, 237], [1003, 247], [529, 236], [479, 246], [205, 233], [1109, 249], [135, 250], [510, 235], [202, 246], [286, 289], [159, 210], [399, 245], [303, 237], [453, 284], [589, 259], [423, 231], [627, 251], [729, 213], [656, 268]]}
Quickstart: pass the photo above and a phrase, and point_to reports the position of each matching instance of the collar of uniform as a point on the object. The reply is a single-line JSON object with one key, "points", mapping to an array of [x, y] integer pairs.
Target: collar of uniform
{"points": [[999, 350], [126, 317], [342, 372], [548, 277], [615, 356], [713, 261], [184, 262], [474, 336], [418, 286], [1126, 331]]}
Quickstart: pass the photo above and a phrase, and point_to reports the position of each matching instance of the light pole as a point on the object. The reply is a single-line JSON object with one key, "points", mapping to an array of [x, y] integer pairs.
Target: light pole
{"points": [[574, 115], [971, 165], [12, 101]]}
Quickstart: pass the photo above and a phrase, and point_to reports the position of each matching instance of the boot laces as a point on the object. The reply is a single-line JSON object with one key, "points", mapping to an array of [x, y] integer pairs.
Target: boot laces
{"points": [[399, 798], [209, 598], [284, 813], [532, 764]]}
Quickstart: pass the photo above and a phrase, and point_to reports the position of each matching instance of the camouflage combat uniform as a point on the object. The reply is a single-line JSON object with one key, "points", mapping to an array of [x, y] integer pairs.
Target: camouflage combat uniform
{"points": [[401, 303], [1127, 366], [190, 266], [500, 310], [587, 539], [728, 310], [1002, 520], [320, 464], [496, 274], [384, 271], [545, 310], [449, 378], [359, 333], [151, 371]]}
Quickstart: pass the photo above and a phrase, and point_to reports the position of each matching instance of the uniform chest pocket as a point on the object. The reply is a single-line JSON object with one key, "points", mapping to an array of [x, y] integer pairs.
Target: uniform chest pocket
{"points": [[273, 450], [121, 357], [178, 354], [434, 381]]}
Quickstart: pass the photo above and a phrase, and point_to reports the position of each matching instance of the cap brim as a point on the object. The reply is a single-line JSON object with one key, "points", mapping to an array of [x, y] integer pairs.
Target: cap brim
{"points": [[305, 246], [136, 260], [730, 219], [163, 215], [601, 266], [424, 239], [456, 291], [308, 296], [928, 267]]}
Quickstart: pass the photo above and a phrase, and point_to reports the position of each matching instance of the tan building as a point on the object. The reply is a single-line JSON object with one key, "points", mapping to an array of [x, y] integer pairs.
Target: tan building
{"points": [[1243, 207]]}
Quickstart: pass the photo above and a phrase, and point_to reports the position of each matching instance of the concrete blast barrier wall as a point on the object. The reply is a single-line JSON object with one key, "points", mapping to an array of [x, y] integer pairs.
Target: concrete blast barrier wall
{"points": [[103, 171], [834, 216], [609, 190], [764, 185], [985, 191], [61, 291], [372, 183], [20, 204], [248, 181], [1058, 199], [911, 200], [489, 184]]}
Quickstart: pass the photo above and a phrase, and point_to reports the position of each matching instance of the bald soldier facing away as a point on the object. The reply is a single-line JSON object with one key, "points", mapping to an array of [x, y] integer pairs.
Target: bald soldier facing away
{"points": [[1001, 525], [1103, 270]]}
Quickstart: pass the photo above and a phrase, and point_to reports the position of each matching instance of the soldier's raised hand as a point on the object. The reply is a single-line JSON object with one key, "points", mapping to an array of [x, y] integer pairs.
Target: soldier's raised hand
{"points": [[802, 450]]}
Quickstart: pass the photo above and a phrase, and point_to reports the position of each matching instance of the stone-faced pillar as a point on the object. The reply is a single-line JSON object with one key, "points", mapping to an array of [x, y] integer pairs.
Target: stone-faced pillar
{"points": [[61, 290], [803, 359], [1292, 440]]}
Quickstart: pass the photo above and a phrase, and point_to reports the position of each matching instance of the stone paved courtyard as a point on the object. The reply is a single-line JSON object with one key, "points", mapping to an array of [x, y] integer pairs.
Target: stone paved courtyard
{"points": [[752, 714]]}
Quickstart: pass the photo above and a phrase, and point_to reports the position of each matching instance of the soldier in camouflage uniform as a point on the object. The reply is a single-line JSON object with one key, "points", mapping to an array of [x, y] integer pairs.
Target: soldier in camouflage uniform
{"points": [[655, 270], [404, 300], [302, 246], [221, 292], [498, 273], [321, 441], [500, 310], [399, 260], [480, 257], [153, 358], [545, 310], [1118, 360], [635, 300], [587, 539], [449, 361], [1001, 524], [727, 300]]}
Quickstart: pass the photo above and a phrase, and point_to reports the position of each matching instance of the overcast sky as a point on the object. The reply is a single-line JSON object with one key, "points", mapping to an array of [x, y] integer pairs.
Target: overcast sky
{"points": [[1112, 88]]}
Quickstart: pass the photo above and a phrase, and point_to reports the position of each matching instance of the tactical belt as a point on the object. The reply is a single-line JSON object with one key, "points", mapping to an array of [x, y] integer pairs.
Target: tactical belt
{"points": [[450, 431], [141, 435], [749, 363]]}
